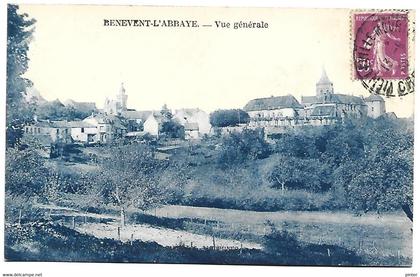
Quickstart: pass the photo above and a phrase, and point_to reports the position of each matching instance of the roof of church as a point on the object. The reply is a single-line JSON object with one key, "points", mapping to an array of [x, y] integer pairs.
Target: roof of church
{"points": [[374, 97], [334, 98], [272, 103], [346, 99], [324, 78]]}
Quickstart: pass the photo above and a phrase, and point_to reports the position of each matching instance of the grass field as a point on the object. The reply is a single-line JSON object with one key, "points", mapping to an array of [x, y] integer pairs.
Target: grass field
{"points": [[384, 239], [369, 234]]}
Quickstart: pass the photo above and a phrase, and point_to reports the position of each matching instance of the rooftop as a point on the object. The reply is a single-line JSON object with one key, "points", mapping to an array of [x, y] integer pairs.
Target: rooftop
{"points": [[374, 97], [273, 103]]}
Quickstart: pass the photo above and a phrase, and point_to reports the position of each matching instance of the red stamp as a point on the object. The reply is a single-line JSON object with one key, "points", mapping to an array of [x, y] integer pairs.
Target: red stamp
{"points": [[380, 46]]}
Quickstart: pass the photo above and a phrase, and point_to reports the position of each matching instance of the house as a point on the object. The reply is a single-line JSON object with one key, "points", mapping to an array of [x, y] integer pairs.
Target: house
{"points": [[375, 106], [198, 116], [153, 123], [57, 131], [135, 119], [82, 131], [273, 111], [191, 131], [273, 107], [51, 136], [108, 127]]}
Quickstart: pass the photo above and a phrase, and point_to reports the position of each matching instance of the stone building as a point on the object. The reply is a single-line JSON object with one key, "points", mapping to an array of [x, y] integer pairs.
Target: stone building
{"points": [[118, 105], [108, 127], [324, 108], [195, 117], [327, 103], [272, 108], [375, 106]]}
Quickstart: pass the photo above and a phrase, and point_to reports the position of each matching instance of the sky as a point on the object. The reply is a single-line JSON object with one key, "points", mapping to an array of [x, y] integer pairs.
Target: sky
{"points": [[73, 56]]}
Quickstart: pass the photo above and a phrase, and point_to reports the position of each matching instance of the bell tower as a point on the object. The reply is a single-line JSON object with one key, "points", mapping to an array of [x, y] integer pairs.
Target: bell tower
{"points": [[122, 98], [324, 87]]}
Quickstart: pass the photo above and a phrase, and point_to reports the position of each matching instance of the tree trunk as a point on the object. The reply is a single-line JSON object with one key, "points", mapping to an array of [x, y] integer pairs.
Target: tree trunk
{"points": [[408, 212], [122, 216], [282, 186], [20, 216]]}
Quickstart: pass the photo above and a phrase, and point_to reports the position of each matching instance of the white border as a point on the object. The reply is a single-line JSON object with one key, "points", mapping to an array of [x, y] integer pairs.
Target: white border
{"points": [[95, 269]]}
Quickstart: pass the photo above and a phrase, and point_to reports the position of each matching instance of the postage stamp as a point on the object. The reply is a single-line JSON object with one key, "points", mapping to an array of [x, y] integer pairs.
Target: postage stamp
{"points": [[380, 45]]}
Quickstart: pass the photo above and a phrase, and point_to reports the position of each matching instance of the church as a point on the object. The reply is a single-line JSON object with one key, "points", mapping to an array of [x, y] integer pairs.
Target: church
{"points": [[324, 108], [116, 106]]}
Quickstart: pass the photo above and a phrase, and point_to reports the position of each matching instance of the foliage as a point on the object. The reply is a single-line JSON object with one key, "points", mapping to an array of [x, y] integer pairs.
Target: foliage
{"points": [[19, 35], [298, 173], [224, 118], [280, 241], [55, 110], [383, 179], [172, 129], [370, 161], [129, 178], [238, 147], [166, 112], [25, 172]]}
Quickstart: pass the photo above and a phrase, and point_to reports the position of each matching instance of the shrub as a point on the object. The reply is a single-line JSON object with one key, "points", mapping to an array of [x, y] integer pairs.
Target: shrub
{"points": [[224, 118]]}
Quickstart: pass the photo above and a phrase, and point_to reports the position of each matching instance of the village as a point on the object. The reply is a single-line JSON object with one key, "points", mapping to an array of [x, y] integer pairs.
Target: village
{"points": [[273, 115], [276, 171]]}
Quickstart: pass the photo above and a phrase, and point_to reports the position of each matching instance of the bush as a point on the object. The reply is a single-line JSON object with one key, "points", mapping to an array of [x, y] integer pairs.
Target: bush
{"points": [[281, 242], [224, 118], [239, 147]]}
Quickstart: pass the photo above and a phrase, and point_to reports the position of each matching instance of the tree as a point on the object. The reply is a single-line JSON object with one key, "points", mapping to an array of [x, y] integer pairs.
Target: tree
{"points": [[129, 178], [298, 173], [172, 129], [19, 35], [224, 118], [25, 172], [239, 147], [166, 112], [382, 178], [54, 110]]}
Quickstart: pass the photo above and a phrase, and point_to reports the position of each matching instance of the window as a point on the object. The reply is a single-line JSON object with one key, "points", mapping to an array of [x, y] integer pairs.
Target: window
{"points": [[39, 130], [82, 130]]}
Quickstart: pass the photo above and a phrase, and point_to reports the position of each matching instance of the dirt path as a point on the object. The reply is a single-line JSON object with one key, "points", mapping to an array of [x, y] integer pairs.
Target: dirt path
{"points": [[162, 236]]}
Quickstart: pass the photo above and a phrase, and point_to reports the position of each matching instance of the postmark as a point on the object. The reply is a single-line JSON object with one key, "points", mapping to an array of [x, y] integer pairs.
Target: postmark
{"points": [[381, 52]]}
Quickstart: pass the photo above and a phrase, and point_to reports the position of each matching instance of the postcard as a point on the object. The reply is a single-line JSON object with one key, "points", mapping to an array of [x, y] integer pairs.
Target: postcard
{"points": [[209, 135]]}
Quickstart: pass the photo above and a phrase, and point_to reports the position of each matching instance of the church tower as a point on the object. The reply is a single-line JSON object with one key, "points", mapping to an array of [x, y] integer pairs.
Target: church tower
{"points": [[324, 87], [122, 98]]}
